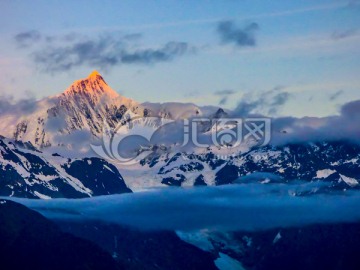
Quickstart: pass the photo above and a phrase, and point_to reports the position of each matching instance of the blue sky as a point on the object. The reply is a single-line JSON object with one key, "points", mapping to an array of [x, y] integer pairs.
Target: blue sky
{"points": [[177, 50]]}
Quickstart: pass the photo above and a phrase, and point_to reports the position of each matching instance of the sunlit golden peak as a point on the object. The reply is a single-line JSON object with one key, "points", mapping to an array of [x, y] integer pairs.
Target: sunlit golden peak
{"points": [[94, 74]]}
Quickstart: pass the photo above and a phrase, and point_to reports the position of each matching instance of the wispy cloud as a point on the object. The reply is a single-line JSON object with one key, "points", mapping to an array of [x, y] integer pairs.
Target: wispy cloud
{"points": [[224, 95], [354, 3], [223, 100], [57, 54], [336, 95], [343, 34], [224, 92], [284, 13], [28, 38], [291, 12], [268, 102], [240, 36], [8, 104], [278, 100], [317, 45]]}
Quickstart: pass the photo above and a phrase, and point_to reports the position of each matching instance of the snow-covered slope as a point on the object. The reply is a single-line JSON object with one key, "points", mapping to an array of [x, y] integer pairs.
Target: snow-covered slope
{"points": [[337, 163], [28, 172]]}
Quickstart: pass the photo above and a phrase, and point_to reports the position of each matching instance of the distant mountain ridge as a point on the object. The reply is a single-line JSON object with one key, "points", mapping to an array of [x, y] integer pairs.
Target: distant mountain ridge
{"points": [[336, 163]]}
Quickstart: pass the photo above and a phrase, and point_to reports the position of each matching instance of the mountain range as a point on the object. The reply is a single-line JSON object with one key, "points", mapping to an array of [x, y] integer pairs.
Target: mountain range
{"points": [[45, 153], [35, 161]]}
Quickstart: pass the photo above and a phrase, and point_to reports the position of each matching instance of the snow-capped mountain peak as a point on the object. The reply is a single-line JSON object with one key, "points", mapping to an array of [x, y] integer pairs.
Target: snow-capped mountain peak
{"points": [[92, 86], [85, 105], [94, 74]]}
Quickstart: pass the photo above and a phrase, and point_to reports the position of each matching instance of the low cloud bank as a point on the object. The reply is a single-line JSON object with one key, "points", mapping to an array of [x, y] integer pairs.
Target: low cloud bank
{"points": [[227, 208], [344, 126]]}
